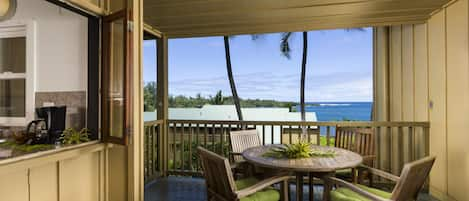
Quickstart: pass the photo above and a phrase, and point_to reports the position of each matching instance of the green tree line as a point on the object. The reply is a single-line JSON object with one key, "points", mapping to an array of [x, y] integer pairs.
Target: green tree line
{"points": [[181, 101]]}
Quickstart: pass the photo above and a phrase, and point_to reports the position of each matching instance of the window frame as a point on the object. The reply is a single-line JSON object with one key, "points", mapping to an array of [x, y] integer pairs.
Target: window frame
{"points": [[25, 29], [107, 66]]}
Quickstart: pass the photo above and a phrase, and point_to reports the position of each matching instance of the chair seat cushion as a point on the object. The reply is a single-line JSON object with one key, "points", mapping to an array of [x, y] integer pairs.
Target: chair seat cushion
{"points": [[268, 194], [345, 194]]}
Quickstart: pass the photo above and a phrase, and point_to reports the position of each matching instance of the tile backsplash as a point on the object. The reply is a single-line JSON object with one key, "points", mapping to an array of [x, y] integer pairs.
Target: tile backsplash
{"points": [[75, 102]]}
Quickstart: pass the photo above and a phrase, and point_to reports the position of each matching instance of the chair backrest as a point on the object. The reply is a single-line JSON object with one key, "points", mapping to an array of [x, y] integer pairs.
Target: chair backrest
{"points": [[412, 178], [358, 140], [242, 140], [218, 176]]}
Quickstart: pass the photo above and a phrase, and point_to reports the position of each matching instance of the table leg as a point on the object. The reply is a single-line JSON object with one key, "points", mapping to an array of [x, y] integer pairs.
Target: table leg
{"points": [[327, 186], [311, 186], [299, 186]]}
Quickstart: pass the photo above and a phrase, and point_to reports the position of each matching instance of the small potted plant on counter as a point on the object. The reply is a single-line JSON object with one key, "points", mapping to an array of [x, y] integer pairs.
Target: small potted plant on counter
{"points": [[71, 136]]}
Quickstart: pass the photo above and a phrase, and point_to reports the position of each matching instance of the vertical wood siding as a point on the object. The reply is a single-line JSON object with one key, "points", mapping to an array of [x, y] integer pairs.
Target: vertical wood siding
{"points": [[77, 175], [429, 80]]}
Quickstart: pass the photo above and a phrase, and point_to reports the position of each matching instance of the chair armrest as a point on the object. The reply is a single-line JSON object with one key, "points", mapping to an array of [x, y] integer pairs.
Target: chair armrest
{"points": [[380, 173], [261, 185], [355, 189]]}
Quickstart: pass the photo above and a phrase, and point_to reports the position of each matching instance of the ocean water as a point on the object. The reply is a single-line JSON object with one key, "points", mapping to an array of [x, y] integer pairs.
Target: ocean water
{"points": [[339, 111], [343, 111]]}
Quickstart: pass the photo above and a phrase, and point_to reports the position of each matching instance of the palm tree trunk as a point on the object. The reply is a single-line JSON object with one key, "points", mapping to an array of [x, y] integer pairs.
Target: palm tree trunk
{"points": [[231, 79], [303, 78]]}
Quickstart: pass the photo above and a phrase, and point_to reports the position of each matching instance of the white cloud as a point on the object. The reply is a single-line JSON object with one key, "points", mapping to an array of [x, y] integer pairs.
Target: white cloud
{"points": [[266, 85]]}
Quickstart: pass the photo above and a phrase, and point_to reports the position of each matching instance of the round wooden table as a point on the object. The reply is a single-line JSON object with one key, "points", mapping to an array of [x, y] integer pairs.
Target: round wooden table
{"points": [[315, 166]]}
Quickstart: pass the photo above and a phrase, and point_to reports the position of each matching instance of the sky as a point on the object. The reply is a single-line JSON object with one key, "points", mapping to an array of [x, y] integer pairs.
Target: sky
{"points": [[339, 66]]}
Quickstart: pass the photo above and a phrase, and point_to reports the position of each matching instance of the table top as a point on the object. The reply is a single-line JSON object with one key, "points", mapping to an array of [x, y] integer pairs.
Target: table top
{"points": [[343, 159]]}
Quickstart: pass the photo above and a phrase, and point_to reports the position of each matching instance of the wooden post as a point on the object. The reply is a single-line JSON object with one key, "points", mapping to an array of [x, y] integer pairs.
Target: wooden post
{"points": [[162, 100]]}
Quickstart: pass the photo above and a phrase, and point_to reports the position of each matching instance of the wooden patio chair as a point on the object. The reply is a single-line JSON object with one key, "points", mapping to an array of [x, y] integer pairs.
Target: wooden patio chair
{"points": [[221, 185], [407, 187], [358, 140], [240, 141]]}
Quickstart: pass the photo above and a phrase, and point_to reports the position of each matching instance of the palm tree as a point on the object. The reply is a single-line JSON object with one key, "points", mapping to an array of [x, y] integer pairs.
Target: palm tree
{"points": [[285, 50], [229, 70]]}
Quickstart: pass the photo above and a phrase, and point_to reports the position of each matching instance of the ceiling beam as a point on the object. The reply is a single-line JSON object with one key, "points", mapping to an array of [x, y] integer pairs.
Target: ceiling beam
{"points": [[292, 27]]}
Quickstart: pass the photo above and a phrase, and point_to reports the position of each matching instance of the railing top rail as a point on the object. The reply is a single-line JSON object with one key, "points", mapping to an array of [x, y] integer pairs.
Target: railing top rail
{"points": [[311, 123], [154, 122]]}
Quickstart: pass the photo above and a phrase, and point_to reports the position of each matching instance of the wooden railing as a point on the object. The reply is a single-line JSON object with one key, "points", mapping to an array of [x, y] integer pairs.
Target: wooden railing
{"points": [[152, 154], [395, 143]]}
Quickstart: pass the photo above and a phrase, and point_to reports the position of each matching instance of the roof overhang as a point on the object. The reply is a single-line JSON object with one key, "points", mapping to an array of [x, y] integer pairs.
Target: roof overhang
{"points": [[196, 18]]}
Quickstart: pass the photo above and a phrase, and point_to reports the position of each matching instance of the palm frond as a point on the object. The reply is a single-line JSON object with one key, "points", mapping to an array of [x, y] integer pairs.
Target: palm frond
{"points": [[285, 45], [356, 29], [256, 36]]}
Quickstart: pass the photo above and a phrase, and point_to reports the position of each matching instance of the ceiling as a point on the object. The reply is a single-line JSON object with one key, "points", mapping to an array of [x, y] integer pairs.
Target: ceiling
{"points": [[194, 18]]}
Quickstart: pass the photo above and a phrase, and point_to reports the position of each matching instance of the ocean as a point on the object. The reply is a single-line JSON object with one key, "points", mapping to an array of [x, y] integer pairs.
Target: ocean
{"points": [[340, 111]]}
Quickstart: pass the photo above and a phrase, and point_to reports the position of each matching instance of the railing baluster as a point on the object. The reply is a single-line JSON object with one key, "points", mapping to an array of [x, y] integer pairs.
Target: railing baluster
{"points": [[426, 133], [289, 134], [182, 146], [390, 149], [190, 146], [163, 146], [263, 134], [318, 135], [174, 146], [222, 140], [213, 137], [377, 146], [146, 153], [197, 134], [328, 135], [400, 148], [272, 134], [410, 145], [205, 135], [153, 150]]}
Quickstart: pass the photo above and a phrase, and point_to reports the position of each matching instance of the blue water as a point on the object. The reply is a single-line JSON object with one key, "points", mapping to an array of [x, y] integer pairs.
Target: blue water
{"points": [[339, 111]]}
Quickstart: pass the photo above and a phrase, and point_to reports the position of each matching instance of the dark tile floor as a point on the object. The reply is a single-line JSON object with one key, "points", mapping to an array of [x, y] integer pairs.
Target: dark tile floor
{"points": [[193, 189]]}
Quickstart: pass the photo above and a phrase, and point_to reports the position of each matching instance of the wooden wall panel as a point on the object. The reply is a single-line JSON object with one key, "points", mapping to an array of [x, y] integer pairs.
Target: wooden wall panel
{"points": [[437, 95], [420, 80], [458, 100], [396, 73], [80, 175], [381, 86], [407, 72], [71, 174], [407, 86], [44, 182], [117, 182], [395, 82], [14, 186], [421, 73]]}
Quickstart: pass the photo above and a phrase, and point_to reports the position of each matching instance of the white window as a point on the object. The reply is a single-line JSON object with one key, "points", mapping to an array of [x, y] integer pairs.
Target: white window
{"points": [[17, 64]]}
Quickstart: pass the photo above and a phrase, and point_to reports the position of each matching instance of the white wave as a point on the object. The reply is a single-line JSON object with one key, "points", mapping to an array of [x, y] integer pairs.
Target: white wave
{"points": [[334, 104]]}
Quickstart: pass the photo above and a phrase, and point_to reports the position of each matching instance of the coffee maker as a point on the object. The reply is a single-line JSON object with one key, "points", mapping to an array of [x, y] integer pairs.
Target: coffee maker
{"points": [[49, 125]]}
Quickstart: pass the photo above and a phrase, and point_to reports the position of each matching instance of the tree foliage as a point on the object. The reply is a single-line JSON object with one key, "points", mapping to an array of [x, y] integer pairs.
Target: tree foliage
{"points": [[198, 101], [149, 96]]}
